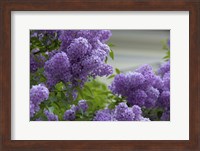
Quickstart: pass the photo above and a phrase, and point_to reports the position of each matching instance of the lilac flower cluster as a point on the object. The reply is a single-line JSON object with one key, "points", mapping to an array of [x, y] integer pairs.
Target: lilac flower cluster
{"points": [[140, 87], [87, 52], [144, 88], [50, 116], [93, 36], [164, 98], [83, 54], [82, 105], [57, 69], [70, 115], [38, 93], [121, 113]]}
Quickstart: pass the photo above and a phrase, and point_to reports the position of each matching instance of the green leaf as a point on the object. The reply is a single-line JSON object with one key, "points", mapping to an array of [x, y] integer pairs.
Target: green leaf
{"points": [[63, 95], [117, 71], [112, 76], [80, 92], [59, 86], [111, 45], [89, 90], [111, 54]]}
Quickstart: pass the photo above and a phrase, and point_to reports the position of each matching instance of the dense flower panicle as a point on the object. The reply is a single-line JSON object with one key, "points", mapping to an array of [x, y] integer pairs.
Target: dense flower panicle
{"points": [[33, 109], [66, 37], [165, 67], [70, 115], [139, 97], [138, 87], [158, 83], [50, 116], [94, 35], [166, 81], [164, 99], [119, 84], [38, 93], [78, 49], [123, 113], [101, 46], [103, 115], [90, 63], [52, 53], [74, 108], [82, 105], [36, 61], [147, 72], [57, 69], [104, 35], [100, 53], [103, 70], [87, 51], [137, 111], [120, 113]]}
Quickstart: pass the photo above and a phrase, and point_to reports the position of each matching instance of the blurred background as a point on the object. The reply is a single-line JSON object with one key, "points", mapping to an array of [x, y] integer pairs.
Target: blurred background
{"points": [[137, 47]]}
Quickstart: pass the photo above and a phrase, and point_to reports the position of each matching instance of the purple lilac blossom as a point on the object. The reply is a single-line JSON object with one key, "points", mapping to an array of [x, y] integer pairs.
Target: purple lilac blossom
{"points": [[164, 68], [120, 113], [87, 51], [57, 69], [92, 36], [38, 93], [103, 115], [164, 98], [50, 116], [123, 113], [70, 115], [138, 87], [82, 105]]}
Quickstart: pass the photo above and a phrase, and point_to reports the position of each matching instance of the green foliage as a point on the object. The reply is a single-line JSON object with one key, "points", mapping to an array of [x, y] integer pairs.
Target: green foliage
{"points": [[46, 43], [166, 47], [167, 56], [98, 97], [153, 114], [111, 45], [117, 71], [37, 77], [111, 54]]}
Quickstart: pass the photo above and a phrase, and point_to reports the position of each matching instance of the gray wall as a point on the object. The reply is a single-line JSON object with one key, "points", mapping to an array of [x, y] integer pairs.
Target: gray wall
{"points": [[137, 47]]}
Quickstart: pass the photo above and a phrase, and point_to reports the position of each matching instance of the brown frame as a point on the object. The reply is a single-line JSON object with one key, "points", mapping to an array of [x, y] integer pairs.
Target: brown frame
{"points": [[193, 6]]}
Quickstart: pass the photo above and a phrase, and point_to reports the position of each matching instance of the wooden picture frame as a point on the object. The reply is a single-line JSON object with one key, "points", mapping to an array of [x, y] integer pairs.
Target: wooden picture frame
{"points": [[7, 6]]}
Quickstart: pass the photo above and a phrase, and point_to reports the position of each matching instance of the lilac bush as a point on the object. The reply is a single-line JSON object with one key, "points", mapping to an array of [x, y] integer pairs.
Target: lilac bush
{"points": [[64, 66]]}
